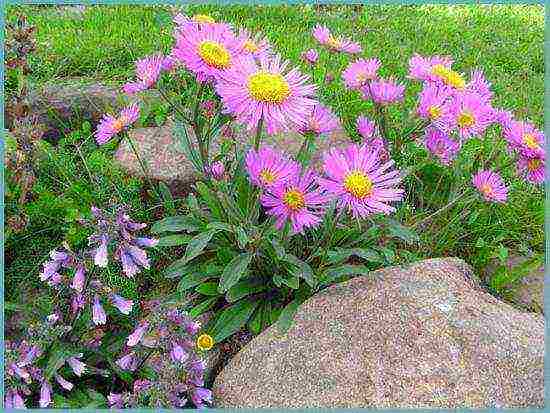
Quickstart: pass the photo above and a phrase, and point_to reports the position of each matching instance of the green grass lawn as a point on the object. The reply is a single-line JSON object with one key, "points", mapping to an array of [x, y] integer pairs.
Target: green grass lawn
{"points": [[506, 41]]}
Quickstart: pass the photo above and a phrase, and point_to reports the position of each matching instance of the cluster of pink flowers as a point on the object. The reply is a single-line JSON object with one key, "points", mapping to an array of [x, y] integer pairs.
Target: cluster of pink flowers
{"points": [[355, 178], [167, 341]]}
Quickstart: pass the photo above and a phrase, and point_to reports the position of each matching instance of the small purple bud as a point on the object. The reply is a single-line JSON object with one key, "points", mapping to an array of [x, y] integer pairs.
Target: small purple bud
{"points": [[76, 365], [147, 242], [98, 313], [123, 305], [217, 169], [128, 265], [115, 400], [52, 318], [168, 63], [141, 385], [329, 78], [79, 278], [201, 394], [192, 327], [67, 385], [45, 394], [100, 258], [137, 335], [77, 302], [126, 362], [17, 401], [178, 354], [310, 56], [30, 355]]}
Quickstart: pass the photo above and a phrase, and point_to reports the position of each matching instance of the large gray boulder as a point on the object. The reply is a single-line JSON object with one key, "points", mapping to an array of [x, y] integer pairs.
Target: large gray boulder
{"points": [[160, 151], [426, 335]]}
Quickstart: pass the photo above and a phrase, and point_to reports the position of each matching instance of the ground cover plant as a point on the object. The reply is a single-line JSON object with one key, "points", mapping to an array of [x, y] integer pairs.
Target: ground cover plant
{"points": [[440, 159]]}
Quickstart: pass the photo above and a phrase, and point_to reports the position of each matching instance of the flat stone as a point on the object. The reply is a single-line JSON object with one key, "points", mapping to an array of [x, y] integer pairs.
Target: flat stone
{"points": [[165, 160], [427, 335], [55, 105], [528, 292]]}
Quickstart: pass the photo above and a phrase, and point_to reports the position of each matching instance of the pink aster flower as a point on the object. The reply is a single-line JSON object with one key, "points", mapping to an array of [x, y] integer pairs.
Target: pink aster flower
{"points": [[147, 71], [310, 56], [426, 68], [206, 50], [525, 138], [359, 181], [321, 120], [532, 168], [252, 91], [480, 85], [367, 128], [335, 44], [255, 46], [491, 186], [470, 114], [297, 200], [441, 145], [358, 73], [268, 167], [111, 126], [383, 91], [433, 103]]}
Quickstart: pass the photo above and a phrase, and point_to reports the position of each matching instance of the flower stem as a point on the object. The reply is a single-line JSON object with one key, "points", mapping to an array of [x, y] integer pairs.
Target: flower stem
{"points": [[258, 136], [142, 165]]}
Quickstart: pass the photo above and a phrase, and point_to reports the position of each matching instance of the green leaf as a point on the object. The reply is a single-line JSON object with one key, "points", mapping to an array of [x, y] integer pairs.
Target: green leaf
{"points": [[234, 271], [343, 254], [174, 240], [255, 322], [184, 144], [177, 269], [167, 198], [222, 226], [175, 224], [209, 288], [232, 319], [203, 307], [242, 237], [402, 232], [343, 270], [192, 280], [210, 199], [292, 282], [504, 277], [244, 288], [303, 270], [287, 316], [197, 244], [56, 360]]}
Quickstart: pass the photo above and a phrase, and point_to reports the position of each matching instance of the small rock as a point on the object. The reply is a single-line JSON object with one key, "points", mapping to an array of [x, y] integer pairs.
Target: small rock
{"points": [[528, 292], [157, 147], [426, 335]]}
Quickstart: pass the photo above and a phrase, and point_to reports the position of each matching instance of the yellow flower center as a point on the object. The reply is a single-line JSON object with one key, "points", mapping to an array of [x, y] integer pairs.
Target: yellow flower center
{"points": [[267, 176], [486, 190], [268, 87], [214, 54], [530, 140], [118, 125], [203, 18], [435, 112], [294, 199], [533, 164], [466, 119], [205, 342], [449, 76], [251, 47], [333, 42], [358, 184]]}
